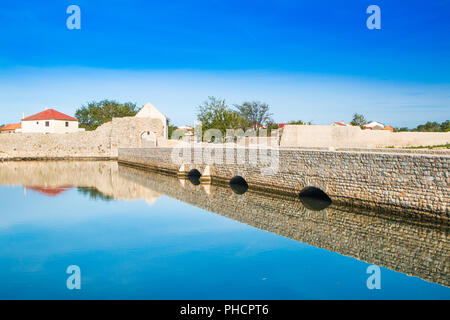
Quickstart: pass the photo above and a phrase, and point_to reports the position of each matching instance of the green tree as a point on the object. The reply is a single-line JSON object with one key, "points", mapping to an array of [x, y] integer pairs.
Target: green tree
{"points": [[402, 129], [358, 120], [255, 113], [214, 113], [271, 126], [170, 128], [445, 126], [300, 122], [429, 127], [94, 114]]}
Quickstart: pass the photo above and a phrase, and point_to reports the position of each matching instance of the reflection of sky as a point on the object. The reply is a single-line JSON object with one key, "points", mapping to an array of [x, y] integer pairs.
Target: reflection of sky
{"points": [[168, 250]]}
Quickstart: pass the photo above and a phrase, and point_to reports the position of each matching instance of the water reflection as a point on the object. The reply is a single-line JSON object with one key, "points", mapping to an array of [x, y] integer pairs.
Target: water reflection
{"points": [[314, 199], [99, 180], [195, 180], [238, 185], [400, 243], [50, 192], [194, 177], [94, 194]]}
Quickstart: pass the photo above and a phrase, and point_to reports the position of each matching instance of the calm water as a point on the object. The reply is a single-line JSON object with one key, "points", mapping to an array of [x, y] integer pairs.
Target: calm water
{"points": [[141, 235]]}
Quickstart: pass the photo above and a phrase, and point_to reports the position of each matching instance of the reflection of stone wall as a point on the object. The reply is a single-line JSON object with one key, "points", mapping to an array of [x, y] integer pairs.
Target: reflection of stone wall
{"points": [[396, 181], [102, 175], [103, 142], [400, 243]]}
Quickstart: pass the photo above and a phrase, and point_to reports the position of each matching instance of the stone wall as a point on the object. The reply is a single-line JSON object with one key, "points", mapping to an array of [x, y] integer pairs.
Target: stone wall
{"points": [[395, 181], [352, 136], [103, 142]]}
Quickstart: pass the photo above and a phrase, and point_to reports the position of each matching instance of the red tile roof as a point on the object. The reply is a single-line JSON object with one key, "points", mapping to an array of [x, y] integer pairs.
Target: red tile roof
{"points": [[50, 114], [12, 126]]}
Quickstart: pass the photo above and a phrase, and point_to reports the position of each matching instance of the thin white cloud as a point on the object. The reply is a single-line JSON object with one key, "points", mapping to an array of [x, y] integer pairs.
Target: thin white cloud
{"points": [[177, 93]]}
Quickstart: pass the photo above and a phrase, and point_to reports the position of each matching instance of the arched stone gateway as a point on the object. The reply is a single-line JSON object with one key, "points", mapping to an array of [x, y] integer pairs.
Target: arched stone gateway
{"points": [[314, 198], [148, 139], [238, 185]]}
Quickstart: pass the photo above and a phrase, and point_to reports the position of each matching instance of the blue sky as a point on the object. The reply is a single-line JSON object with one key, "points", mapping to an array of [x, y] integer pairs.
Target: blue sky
{"points": [[310, 60]]}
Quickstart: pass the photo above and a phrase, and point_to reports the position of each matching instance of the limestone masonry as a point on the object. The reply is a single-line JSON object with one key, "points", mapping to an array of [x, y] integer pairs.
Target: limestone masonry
{"points": [[103, 142], [395, 181], [352, 136], [310, 156]]}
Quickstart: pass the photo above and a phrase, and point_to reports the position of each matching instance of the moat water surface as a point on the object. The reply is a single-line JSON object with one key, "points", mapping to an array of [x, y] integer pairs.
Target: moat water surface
{"points": [[142, 235]]}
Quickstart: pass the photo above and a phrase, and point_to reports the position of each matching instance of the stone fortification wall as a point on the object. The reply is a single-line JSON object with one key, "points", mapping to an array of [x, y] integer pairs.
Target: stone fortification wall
{"points": [[103, 142], [347, 137]]}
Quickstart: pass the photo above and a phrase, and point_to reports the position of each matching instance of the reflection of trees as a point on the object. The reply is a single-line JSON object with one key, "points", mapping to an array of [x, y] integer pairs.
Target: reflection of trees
{"points": [[94, 193]]}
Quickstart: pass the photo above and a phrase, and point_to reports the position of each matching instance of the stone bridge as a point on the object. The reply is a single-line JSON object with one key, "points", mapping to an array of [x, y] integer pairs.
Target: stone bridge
{"points": [[397, 181]]}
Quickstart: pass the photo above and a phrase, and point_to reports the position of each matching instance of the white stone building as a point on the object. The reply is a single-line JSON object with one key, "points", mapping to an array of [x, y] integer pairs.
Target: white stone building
{"points": [[49, 121], [149, 111], [374, 125]]}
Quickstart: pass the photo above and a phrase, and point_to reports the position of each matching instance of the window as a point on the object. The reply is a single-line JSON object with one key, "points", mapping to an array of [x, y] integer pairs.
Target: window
{"points": [[47, 123], [67, 124]]}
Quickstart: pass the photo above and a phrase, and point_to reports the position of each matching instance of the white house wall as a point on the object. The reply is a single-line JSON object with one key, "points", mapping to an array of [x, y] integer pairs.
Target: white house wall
{"points": [[55, 126]]}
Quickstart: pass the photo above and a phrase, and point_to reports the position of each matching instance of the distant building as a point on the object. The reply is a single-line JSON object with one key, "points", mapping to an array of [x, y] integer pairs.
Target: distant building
{"points": [[339, 124], [281, 125], [150, 111], [186, 127], [389, 128], [188, 130], [11, 128], [374, 126], [49, 121]]}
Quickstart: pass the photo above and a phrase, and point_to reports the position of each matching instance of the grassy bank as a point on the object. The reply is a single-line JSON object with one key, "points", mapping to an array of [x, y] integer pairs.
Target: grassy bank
{"points": [[441, 146]]}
